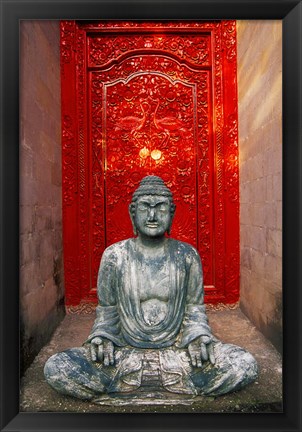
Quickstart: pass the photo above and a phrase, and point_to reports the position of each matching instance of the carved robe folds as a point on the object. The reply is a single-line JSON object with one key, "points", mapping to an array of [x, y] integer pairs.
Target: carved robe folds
{"points": [[150, 316], [124, 284]]}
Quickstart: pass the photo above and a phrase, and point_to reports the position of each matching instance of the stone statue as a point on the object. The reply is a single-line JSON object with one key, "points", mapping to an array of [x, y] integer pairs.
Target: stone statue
{"points": [[151, 330]]}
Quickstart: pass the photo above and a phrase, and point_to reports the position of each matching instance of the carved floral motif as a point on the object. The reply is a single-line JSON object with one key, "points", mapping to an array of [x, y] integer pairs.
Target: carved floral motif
{"points": [[229, 39], [151, 128], [153, 26], [82, 163], [67, 40], [151, 140], [83, 308], [195, 49], [151, 98], [231, 158], [69, 150], [218, 151], [89, 308], [71, 274]]}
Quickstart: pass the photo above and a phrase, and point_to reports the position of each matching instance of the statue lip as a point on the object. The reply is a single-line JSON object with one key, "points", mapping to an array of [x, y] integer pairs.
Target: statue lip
{"points": [[152, 225]]}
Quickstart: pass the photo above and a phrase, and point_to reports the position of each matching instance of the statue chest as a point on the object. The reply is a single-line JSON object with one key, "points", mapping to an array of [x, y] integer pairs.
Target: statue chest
{"points": [[151, 288], [154, 282]]}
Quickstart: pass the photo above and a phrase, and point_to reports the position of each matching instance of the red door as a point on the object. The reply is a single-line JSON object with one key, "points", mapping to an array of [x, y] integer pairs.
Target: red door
{"points": [[149, 98]]}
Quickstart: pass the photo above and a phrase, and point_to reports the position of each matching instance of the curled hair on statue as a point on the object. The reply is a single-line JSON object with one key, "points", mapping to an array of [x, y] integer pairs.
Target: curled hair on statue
{"points": [[151, 185]]}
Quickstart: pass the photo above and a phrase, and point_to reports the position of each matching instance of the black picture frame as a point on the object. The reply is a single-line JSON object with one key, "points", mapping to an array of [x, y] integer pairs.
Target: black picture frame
{"points": [[11, 12]]}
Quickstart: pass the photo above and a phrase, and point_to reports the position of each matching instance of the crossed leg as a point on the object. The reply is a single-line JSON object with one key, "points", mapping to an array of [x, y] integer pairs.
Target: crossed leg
{"points": [[234, 369], [72, 372]]}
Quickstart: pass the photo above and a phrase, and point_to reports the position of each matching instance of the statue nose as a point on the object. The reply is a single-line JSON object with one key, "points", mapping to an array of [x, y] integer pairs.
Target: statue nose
{"points": [[152, 214]]}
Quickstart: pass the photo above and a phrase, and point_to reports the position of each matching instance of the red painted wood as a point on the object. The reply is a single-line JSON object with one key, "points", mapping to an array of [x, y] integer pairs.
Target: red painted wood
{"points": [[150, 98]]}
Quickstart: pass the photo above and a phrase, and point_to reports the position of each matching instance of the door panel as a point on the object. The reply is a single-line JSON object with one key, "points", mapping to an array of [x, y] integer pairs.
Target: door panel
{"points": [[149, 131], [150, 98]]}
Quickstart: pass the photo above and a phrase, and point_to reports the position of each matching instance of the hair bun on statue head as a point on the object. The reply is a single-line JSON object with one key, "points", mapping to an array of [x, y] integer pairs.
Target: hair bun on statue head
{"points": [[152, 185]]}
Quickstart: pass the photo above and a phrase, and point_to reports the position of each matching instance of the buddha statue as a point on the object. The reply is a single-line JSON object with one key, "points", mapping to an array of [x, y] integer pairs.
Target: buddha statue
{"points": [[151, 329]]}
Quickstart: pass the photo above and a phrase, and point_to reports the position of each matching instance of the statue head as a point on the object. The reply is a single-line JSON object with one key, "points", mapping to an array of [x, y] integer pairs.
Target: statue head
{"points": [[152, 208]]}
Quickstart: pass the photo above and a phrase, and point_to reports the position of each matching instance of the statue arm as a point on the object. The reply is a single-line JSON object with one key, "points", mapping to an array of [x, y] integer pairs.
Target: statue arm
{"points": [[107, 322], [200, 346], [195, 294], [195, 321]]}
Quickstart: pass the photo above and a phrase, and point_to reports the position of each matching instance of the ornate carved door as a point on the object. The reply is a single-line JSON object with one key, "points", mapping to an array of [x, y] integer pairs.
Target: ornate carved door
{"points": [[149, 98]]}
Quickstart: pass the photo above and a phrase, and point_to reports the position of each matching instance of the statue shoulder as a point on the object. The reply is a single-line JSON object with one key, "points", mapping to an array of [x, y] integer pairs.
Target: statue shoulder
{"points": [[185, 248], [116, 250]]}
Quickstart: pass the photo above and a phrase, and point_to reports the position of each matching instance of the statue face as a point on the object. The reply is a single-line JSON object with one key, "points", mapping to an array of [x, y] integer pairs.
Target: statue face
{"points": [[152, 215]]}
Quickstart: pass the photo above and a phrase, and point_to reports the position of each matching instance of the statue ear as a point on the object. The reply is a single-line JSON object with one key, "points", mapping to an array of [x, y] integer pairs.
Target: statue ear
{"points": [[132, 220], [172, 216]]}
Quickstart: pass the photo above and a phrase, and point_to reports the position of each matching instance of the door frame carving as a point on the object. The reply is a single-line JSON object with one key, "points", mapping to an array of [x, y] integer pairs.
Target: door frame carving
{"points": [[75, 176]]}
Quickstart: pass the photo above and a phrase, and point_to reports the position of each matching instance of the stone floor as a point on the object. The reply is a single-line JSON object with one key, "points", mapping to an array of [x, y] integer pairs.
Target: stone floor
{"points": [[265, 395]]}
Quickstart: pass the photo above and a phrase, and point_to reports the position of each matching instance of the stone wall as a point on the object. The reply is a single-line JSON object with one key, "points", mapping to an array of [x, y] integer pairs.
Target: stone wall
{"points": [[260, 149], [41, 270]]}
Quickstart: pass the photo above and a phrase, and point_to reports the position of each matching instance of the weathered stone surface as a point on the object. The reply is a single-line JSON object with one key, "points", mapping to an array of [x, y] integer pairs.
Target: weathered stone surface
{"points": [[264, 395], [260, 152], [40, 180], [274, 242], [151, 332]]}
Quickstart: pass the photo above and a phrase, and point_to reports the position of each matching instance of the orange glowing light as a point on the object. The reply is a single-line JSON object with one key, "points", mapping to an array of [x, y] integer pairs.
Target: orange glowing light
{"points": [[144, 153], [156, 154]]}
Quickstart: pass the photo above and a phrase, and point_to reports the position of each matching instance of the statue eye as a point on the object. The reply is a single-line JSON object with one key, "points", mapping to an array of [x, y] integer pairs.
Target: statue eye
{"points": [[142, 207], [163, 208]]}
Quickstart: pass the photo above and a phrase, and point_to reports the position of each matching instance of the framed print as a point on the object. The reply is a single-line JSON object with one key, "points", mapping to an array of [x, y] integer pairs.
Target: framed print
{"points": [[179, 102]]}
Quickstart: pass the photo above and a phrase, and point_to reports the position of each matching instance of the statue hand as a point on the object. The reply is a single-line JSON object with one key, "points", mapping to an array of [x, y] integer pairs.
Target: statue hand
{"points": [[102, 350], [201, 349]]}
